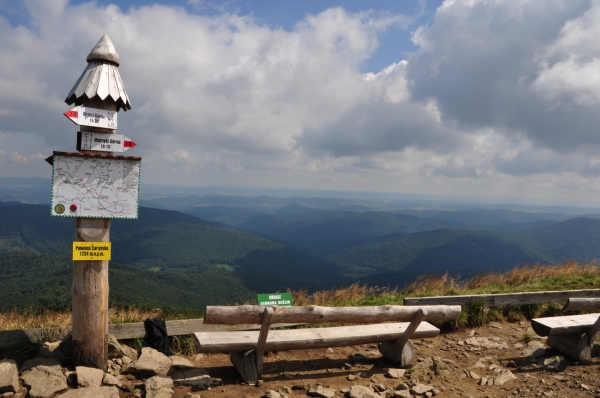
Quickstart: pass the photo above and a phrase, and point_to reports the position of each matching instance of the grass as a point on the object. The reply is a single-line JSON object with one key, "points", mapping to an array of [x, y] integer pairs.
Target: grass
{"points": [[528, 278]]}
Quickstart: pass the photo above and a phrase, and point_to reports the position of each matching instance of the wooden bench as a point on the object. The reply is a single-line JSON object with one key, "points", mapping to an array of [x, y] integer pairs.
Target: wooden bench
{"points": [[572, 335], [246, 348]]}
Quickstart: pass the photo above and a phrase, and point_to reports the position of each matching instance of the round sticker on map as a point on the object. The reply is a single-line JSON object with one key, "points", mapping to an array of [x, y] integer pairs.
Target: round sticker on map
{"points": [[59, 209]]}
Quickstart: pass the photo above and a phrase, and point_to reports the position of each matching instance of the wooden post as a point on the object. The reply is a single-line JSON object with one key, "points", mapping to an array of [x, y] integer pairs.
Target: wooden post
{"points": [[99, 87], [90, 282]]}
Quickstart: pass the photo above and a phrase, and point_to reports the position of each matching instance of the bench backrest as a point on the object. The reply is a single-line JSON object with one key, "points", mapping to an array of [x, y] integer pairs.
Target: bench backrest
{"points": [[253, 314], [588, 303]]}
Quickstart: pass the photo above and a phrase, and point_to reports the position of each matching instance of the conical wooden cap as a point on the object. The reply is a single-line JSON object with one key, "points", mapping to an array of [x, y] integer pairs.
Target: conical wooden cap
{"points": [[104, 50]]}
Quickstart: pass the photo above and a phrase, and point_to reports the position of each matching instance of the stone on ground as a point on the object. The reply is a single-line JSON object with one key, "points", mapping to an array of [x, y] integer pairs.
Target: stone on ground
{"points": [[321, 392], [534, 349], [272, 394], [9, 376], [553, 364], [150, 363], [159, 387], [504, 377], [44, 377], [52, 350], [359, 391], [92, 392], [89, 377], [181, 363], [198, 378], [401, 394], [420, 389], [395, 373], [117, 350], [110, 380]]}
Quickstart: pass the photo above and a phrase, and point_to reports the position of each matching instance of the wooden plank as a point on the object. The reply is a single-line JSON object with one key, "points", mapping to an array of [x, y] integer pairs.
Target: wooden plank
{"points": [[120, 331], [560, 325], [252, 314], [492, 300], [583, 303], [298, 339]]}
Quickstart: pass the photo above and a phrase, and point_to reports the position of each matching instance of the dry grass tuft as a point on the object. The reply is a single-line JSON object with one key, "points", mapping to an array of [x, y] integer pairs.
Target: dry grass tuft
{"points": [[341, 296], [31, 319]]}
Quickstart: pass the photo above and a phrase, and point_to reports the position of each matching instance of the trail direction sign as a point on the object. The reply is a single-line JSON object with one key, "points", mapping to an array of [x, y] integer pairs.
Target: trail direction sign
{"points": [[85, 116], [95, 185], [92, 141]]}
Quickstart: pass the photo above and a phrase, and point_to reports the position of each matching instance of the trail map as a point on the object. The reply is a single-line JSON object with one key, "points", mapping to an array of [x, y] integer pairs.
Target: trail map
{"points": [[94, 187]]}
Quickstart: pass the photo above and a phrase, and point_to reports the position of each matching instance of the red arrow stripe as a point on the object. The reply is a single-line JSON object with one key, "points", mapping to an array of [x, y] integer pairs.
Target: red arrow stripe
{"points": [[129, 144], [71, 114]]}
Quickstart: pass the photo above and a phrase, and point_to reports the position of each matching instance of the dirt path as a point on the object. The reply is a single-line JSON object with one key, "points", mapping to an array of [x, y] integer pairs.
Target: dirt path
{"points": [[468, 354]]}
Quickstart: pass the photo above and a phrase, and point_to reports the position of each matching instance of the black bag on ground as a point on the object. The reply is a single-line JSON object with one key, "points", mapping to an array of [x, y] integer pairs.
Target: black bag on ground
{"points": [[156, 335]]}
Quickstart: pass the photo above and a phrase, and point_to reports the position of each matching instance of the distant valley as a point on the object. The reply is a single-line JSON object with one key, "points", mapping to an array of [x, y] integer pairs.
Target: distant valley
{"points": [[190, 250]]}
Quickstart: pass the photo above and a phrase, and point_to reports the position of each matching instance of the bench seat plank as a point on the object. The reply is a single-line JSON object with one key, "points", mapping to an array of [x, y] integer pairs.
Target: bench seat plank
{"points": [[561, 325], [297, 339]]}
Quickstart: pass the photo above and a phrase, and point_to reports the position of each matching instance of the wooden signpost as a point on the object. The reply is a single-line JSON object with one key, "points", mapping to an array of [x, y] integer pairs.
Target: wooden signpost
{"points": [[99, 94]]}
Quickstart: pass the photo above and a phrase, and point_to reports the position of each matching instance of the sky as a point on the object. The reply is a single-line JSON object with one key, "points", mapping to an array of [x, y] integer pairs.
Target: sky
{"points": [[483, 98]]}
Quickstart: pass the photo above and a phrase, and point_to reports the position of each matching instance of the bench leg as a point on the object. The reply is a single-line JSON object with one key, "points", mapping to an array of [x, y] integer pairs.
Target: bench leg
{"points": [[578, 346], [575, 346], [250, 363], [245, 364], [402, 351]]}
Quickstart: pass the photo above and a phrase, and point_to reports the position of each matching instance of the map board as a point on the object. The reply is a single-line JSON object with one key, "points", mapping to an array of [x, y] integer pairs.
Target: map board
{"points": [[95, 186]]}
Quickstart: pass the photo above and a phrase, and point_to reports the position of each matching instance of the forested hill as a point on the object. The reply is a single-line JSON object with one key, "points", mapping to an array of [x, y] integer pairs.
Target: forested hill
{"points": [[165, 247]]}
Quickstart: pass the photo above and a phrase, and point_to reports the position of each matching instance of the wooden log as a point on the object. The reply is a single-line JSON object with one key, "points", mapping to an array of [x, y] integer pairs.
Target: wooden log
{"points": [[575, 346], [582, 303], [493, 300], [562, 325], [252, 314], [298, 339], [121, 331]]}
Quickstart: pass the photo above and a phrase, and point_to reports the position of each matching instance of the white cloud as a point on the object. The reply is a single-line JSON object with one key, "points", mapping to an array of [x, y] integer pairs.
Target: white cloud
{"points": [[497, 93]]}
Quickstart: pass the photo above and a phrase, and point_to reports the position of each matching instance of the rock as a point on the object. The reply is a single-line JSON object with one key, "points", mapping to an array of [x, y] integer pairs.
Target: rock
{"points": [[321, 392], [44, 377], [503, 377], [150, 363], [92, 392], [420, 389], [159, 387], [401, 394], [553, 364], [395, 373], [272, 394], [9, 376], [361, 392], [352, 377], [110, 380], [52, 350], [479, 364], [126, 360], [329, 351], [534, 349], [402, 386], [89, 377], [495, 325], [178, 362], [198, 378], [117, 350], [190, 395]]}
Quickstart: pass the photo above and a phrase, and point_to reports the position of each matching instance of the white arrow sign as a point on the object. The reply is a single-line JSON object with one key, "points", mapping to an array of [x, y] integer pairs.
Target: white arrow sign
{"points": [[89, 141], [92, 117]]}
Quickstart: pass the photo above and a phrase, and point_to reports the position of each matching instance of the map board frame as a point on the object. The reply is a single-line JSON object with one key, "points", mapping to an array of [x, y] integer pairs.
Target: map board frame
{"points": [[81, 212]]}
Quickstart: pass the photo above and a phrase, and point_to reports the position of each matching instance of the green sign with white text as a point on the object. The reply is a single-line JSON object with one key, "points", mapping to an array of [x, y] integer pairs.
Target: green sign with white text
{"points": [[280, 299]]}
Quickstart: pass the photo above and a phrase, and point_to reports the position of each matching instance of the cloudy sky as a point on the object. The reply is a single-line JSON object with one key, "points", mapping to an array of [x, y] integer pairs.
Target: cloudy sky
{"points": [[487, 98]]}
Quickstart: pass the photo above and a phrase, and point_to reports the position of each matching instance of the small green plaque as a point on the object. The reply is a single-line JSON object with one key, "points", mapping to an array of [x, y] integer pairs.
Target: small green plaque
{"points": [[280, 299]]}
